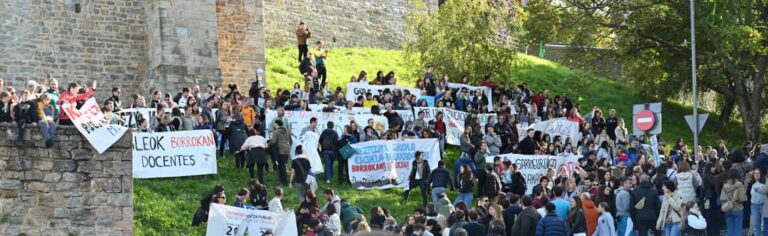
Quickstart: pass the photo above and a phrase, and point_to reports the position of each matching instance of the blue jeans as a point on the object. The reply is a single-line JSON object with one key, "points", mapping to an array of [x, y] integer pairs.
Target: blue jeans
{"points": [[48, 132], [765, 226], [624, 227], [672, 229], [328, 157], [464, 197], [756, 219], [436, 191], [733, 222]]}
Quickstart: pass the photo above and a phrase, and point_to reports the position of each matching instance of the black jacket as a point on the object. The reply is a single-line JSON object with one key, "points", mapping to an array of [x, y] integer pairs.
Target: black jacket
{"points": [[474, 228], [650, 212], [306, 66], [426, 172], [518, 184], [510, 214], [5, 112], [526, 222], [527, 146], [440, 177], [26, 112], [578, 224], [237, 133], [259, 198], [328, 140]]}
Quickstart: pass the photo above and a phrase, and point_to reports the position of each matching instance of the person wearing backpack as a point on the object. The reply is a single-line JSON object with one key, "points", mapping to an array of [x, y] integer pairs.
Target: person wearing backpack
{"points": [[236, 134], [328, 140], [644, 206], [733, 195]]}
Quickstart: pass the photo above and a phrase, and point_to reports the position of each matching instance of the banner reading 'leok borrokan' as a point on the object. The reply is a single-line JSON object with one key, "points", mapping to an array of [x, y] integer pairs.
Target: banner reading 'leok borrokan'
{"points": [[90, 121], [384, 164], [533, 167], [173, 154], [235, 221]]}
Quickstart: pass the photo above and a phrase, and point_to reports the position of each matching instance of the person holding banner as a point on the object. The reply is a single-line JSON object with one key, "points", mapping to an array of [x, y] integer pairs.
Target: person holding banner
{"points": [[72, 96], [419, 177]]}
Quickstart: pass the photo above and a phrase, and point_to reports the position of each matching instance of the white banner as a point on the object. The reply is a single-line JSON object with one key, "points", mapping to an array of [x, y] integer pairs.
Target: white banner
{"points": [[488, 92], [129, 116], [235, 221], [407, 115], [361, 88], [90, 121], [173, 154], [454, 121], [384, 164], [300, 120], [556, 127], [533, 167]]}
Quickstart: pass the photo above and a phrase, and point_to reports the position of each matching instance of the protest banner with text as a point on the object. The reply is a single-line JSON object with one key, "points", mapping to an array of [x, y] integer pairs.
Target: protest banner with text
{"points": [[235, 221], [174, 154], [488, 92], [454, 121], [533, 167], [385, 164], [300, 119], [90, 121], [361, 88]]}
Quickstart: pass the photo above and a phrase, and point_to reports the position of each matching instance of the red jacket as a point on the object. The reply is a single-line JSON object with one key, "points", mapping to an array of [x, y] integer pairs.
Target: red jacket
{"points": [[67, 97]]}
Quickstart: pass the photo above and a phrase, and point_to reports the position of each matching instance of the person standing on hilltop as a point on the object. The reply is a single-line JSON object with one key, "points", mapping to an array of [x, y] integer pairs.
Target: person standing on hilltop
{"points": [[320, 55], [302, 34]]}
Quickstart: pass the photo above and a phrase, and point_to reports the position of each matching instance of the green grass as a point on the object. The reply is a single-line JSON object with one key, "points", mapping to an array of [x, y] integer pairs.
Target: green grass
{"points": [[342, 63], [165, 206]]}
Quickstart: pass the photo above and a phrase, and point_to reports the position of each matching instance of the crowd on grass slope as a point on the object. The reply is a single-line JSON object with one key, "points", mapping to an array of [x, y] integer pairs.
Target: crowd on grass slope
{"points": [[617, 189]]}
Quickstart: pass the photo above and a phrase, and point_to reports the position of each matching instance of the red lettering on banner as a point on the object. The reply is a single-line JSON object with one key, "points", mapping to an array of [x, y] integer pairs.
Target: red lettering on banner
{"points": [[71, 111], [196, 141], [368, 167], [93, 109]]}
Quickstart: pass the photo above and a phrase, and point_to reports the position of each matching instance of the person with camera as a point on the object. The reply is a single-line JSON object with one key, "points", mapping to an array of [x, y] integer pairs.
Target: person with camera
{"points": [[320, 54], [302, 34]]}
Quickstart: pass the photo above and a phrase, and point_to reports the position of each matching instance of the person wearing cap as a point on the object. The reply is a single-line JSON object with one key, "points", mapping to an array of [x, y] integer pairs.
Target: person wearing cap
{"points": [[115, 99], [71, 96]]}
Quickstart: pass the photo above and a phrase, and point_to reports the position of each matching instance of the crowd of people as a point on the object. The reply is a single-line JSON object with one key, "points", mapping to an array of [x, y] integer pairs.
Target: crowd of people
{"points": [[617, 189]]}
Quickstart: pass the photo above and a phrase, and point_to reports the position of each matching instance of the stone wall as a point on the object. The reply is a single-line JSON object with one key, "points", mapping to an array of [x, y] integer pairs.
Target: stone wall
{"points": [[354, 23], [183, 44], [68, 189], [241, 40], [105, 42]]}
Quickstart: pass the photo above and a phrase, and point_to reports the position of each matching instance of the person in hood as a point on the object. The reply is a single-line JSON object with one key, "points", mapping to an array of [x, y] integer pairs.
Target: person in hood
{"points": [[644, 206], [735, 193], [591, 213], [237, 133]]}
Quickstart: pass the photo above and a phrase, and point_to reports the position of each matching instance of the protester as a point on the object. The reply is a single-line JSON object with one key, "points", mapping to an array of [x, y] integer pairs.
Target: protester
{"points": [[46, 119], [419, 177]]}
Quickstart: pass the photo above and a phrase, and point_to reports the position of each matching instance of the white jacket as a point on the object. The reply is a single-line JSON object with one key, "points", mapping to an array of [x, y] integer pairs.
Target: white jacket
{"points": [[334, 224]]}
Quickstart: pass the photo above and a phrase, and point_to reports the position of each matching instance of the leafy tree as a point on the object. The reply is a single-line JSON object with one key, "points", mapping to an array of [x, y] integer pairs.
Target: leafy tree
{"points": [[475, 38], [652, 39]]}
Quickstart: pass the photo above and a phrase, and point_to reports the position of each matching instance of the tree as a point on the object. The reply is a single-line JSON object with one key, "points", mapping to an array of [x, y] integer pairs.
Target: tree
{"points": [[652, 39], [474, 38]]}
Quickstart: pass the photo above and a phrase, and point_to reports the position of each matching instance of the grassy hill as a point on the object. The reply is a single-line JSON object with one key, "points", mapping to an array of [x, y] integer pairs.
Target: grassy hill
{"points": [[165, 206]]}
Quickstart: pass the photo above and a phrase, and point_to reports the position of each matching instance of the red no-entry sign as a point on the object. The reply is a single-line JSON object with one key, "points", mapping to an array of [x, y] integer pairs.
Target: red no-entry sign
{"points": [[645, 120]]}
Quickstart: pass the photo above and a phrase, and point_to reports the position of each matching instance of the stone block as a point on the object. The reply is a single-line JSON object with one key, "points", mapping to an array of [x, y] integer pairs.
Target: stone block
{"points": [[66, 187], [71, 177], [120, 199], [117, 168], [110, 185], [52, 177], [81, 154], [39, 187], [19, 164], [84, 217], [95, 199], [33, 175], [42, 164], [10, 184], [90, 167], [62, 213], [36, 152], [73, 202], [64, 165], [52, 200], [9, 193], [12, 174]]}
